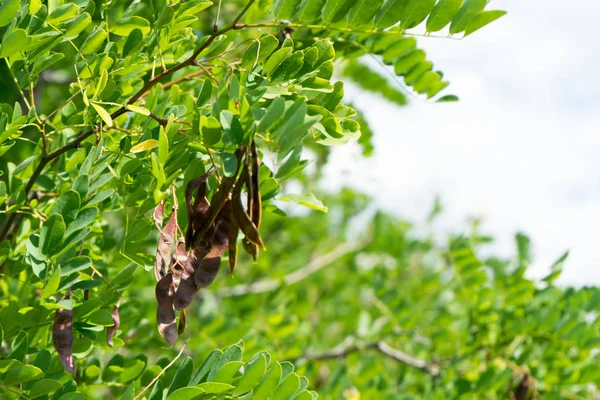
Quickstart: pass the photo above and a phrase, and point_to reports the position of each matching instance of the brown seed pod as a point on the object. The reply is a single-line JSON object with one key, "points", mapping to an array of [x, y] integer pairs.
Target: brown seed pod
{"points": [[215, 207], [197, 208], [250, 248], [158, 214], [62, 337], [111, 330], [234, 230], [239, 213], [182, 322], [165, 244], [187, 286], [178, 262], [165, 315], [207, 270]]}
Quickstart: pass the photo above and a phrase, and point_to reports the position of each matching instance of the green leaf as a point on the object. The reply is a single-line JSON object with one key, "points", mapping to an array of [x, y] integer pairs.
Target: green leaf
{"points": [[232, 126], [18, 348], [211, 130], [44, 386], [165, 17], [52, 284], [125, 25], [145, 145], [273, 115], [14, 42], [157, 392], [447, 98], [182, 376], [84, 218], [22, 374], [34, 6], [467, 12], [205, 93], [76, 264], [78, 25], [228, 372], [93, 41], [390, 13], [8, 11], [163, 146], [287, 388], [62, 13], [482, 19], [253, 373], [276, 59], [269, 383], [214, 387], [52, 234], [233, 353], [103, 114], [442, 14], [206, 367], [284, 9], [67, 205], [138, 109], [363, 12], [307, 200], [415, 12], [46, 62], [185, 393], [7, 365], [101, 318]]}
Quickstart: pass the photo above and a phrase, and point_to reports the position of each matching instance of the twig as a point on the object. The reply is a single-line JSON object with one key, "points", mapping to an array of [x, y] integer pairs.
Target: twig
{"points": [[161, 372], [315, 265], [344, 350]]}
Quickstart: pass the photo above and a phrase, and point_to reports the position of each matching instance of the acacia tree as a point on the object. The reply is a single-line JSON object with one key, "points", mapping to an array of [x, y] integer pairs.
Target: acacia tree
{"points": [[179, 121]]}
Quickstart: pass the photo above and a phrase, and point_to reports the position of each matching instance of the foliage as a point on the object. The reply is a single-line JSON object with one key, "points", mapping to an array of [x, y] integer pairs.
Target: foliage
{"points": [[119, 105]]}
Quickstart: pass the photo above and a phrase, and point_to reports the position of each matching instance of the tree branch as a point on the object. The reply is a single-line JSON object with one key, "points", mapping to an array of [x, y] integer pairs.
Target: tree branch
{"points": [[315, 265], [348, 347], [46, 158]]}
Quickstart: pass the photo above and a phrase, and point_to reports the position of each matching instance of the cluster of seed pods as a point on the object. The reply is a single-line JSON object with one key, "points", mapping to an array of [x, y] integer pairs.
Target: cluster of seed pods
{"points": [[183, 266]]}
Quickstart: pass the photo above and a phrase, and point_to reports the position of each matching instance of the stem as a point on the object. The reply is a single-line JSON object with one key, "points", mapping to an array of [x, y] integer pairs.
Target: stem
{"points": [[160, 373]]}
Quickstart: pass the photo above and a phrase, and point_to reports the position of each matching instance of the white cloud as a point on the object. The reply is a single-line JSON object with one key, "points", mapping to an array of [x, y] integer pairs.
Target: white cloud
{"points": [[520, 149]]}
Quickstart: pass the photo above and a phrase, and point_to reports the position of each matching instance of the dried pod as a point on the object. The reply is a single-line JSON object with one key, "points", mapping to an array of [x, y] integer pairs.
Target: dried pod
{"points": [[165, 315], [165, 244], [234, 230], [187, 286], [213, 210], [250, 248], [178, 262], [158, 214], [111, 330], [207, 270], [182, 322], [62, 337], [197, 208], [241, 216]]}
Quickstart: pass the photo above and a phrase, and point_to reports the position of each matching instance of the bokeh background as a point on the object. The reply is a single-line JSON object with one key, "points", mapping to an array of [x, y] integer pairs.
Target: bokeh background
{"points": [[520, 150]]}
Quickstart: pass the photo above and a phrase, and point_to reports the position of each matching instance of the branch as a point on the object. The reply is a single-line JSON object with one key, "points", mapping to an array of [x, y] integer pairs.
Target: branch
{"points": [[160, 373], [348, 347], [315, 265], [47, 158]]}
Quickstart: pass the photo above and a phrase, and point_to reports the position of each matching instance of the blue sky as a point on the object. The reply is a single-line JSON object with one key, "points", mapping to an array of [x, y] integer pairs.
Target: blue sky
{"points": [[521, 150]]}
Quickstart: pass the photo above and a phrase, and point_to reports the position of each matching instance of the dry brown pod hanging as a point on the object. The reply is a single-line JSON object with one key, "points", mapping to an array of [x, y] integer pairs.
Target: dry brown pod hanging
{"points": [[243, 219], [165, 242], [187, 286], [62, 337], [209, 267], [111, 330], [165, 315]]}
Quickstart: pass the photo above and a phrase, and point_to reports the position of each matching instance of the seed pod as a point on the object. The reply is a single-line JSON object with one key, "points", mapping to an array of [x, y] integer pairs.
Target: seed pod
{"points": [[250, 248], [217, 203], [165, 244], [111, 330], [187, 286], [234, 230], [158, 214], [208, 268], [165, 315], [198, 208], [62, 337], [178, 261], [182, 322], [239, 213]]}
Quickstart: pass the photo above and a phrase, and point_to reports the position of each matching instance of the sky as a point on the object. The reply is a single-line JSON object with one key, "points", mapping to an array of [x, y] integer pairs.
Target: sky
{"points": [[521, 150]]}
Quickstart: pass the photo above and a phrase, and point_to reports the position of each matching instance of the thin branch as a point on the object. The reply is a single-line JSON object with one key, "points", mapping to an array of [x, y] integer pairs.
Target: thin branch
{"points": [[341, 29], [348, 347], [160, 373], [315, 265]]}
